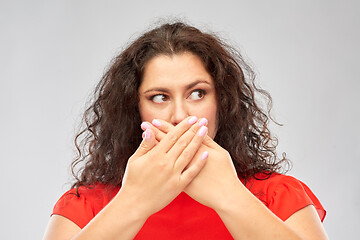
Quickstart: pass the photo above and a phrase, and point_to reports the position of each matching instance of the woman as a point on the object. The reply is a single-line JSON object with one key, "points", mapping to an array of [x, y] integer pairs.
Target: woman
{"points": [[176, 147]]}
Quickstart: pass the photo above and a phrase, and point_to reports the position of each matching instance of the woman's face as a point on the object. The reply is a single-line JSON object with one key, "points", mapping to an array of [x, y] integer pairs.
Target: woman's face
{"points": [[175, 87]]}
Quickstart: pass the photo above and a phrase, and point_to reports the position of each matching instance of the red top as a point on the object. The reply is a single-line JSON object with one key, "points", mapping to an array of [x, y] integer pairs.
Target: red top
{"points": [[184, 217]]}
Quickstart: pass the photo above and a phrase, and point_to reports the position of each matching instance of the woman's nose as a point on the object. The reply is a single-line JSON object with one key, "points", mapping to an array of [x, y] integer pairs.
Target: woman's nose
{"points": [[179, 112]]}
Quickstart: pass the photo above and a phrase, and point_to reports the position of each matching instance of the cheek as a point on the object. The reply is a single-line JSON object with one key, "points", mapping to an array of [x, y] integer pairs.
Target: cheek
{"points": [[148, 112], [146, 116], [210, 113], [145, 113], [213, 122]]}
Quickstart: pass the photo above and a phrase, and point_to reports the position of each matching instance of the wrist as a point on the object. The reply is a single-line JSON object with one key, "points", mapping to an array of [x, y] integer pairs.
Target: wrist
{"points": [[120, 219], [134, 208], [231, 198]]}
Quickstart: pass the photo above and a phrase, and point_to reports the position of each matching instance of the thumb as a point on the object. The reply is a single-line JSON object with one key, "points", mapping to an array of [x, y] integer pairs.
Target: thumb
{"points": [[209, 142], [147, 143]]}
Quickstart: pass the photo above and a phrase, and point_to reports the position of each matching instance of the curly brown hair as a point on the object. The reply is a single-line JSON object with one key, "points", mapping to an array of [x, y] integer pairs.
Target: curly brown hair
{"points": [[112, 132]]}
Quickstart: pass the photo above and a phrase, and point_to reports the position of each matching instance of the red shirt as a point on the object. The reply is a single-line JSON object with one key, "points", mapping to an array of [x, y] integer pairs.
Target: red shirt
{"points": [[184, 218]]}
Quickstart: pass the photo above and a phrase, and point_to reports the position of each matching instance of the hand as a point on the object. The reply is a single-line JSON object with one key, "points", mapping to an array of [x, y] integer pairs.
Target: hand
{"points": [[156, 174], [216, 180]]}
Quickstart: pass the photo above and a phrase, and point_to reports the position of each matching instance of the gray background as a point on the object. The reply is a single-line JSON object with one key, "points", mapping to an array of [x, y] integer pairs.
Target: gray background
{"points": [[52, 53]]}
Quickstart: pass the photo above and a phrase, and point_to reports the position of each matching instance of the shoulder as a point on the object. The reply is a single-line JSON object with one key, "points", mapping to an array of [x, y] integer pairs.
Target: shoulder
{"points": [[92, 193], [82, 204], [266, 183], [283, 194]]}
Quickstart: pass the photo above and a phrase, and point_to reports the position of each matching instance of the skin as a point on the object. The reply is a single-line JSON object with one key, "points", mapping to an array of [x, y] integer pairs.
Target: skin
{"points": [[217, 185], [165, 163], [175, 87], [171, 155], [242, 213]]}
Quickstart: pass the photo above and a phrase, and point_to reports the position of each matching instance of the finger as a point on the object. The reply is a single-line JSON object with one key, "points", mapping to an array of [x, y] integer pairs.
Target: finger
{"points": [[159, 135], [173, 136], [166, 127], [191, 149], [197, 155], [209, 142], [147, 143], [189, 174], [182, 145], [162, 125]]}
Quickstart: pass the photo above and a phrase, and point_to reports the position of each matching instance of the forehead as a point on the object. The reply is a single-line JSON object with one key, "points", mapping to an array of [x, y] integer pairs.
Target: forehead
{"points": [[174, 71]]}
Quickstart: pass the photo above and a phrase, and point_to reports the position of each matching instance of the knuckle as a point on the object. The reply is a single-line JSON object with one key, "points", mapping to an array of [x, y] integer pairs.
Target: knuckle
{"points": [[131, 159], [186, 153], [162, 164], [144, 147], [182, 143], [167, 128], [173, 138], [190, 175], [194, 130]]}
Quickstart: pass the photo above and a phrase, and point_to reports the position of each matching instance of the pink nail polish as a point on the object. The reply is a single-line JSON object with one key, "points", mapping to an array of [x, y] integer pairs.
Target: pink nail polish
{"points": [[156, 123], [147, 134], [205, 155], [202, 131], [192, 120], [203, 122], [145, 126]]}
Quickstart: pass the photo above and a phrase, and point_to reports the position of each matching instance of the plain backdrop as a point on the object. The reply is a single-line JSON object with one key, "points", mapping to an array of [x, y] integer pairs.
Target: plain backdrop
{"points": [[52, 53]]}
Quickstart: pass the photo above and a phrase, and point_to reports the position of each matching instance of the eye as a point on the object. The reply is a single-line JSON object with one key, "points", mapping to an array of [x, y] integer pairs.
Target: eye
{"points": [[159, 98], [197, 94]]}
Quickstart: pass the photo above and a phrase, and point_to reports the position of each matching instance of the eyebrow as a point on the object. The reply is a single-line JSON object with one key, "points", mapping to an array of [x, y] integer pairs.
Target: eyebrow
{"points": [[189, 86]]}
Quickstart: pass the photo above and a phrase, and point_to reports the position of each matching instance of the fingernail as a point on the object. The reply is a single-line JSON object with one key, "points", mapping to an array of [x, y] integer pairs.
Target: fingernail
{"points": [[156, 123], [147, 134], [145, 126], [203, 122], [192, 120], [205, 155], [202, 131]]}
